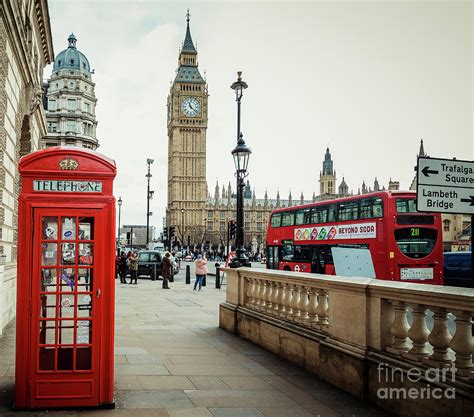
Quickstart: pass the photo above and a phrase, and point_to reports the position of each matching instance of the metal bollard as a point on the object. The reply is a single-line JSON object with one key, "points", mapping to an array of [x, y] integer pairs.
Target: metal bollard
{"points": [[204, 281], [188, 274], [153, 277], [171, 273], [218, 275]]}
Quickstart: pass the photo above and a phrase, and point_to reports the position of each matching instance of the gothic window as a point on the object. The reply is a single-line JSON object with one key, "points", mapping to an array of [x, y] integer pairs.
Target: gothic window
{"points": [[222, 226], [446, 225]]}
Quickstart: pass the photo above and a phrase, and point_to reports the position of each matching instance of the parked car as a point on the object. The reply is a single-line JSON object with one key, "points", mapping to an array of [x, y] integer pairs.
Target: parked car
{"points": [[457, 269], [150, 263]]}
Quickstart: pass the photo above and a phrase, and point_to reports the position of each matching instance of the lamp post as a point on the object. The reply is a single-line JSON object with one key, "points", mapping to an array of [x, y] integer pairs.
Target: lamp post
{"points": [[241, 154], [119, 203], [149, 196], [182, 228]]}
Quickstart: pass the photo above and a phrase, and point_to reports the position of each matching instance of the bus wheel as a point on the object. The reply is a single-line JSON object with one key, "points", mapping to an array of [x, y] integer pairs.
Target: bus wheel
{"points": [[286, 268]]}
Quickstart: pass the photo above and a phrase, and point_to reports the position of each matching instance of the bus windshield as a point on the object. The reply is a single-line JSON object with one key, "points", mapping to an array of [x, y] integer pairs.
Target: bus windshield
{"points": [[406, 205], [416, 242]]}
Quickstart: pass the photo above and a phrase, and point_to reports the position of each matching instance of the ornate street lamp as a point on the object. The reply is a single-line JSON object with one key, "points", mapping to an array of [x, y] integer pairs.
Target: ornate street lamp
{"points": [[149, 196], [119, 203], [241, 154]]}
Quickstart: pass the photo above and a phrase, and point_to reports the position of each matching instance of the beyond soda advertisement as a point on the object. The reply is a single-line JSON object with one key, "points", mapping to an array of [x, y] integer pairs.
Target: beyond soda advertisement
{"points": [[333, 232]]}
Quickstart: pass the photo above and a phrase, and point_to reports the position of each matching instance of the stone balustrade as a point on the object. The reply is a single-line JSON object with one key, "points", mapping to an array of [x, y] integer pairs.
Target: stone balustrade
{"points": [[406, 324]]}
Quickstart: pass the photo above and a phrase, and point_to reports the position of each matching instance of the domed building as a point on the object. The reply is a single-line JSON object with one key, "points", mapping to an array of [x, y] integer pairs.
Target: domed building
{"points": [[69, 101]]}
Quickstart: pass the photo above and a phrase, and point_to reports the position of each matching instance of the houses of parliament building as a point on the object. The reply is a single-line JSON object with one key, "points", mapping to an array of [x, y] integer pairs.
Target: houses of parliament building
{"points": [[197, 215]]}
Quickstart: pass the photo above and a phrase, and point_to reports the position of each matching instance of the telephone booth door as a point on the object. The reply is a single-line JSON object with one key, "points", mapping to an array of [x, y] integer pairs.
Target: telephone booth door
{"points": [[66, 306]]}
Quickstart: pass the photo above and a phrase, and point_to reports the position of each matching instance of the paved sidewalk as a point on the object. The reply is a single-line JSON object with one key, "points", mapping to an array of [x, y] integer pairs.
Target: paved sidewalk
{"points": [[173, 360]]}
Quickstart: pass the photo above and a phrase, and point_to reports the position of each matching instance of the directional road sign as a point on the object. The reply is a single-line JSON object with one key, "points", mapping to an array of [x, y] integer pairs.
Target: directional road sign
{"points": [[445, 185]]}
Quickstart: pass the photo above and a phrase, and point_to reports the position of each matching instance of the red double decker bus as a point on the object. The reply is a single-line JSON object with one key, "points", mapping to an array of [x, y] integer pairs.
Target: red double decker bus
{"points": [[405, 245]]}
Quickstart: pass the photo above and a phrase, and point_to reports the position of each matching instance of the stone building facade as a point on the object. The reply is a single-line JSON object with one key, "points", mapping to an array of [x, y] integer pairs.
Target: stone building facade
{"points": [[25, 49], [69, 100]]}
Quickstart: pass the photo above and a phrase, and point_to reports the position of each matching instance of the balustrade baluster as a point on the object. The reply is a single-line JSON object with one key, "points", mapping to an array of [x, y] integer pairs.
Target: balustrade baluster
{"points": [[313, 306], [250, 297], [258, 291], [269, 298], [418, 334], [322, 309], [439, 339], [263, 295], [303, 305], [277, 298], [399, 328], [295, 302], [287, 302], [463, 344]]}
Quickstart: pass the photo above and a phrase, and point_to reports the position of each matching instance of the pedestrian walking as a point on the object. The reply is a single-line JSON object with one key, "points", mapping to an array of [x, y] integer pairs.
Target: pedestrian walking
{"points": [[166, 272], [123, 267], [201, 271], [134, 268]]}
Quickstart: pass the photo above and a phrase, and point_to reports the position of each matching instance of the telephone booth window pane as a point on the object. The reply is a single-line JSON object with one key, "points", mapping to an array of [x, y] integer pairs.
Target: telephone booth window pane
{"points": [[83, 332], [68, 279], [48, 280], [46, 358], [65, 358], [48, 306], [86, 228], [49, 254], [84, 358], [68, 228], [66, 332], [66, 306], [86, 253], [68, 253], [84, 305], [85, 279], [50, 228], [47, 332]]}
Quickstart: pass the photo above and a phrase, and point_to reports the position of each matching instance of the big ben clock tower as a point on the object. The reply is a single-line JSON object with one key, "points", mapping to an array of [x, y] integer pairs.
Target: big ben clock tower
{"points": [[187, 125]]}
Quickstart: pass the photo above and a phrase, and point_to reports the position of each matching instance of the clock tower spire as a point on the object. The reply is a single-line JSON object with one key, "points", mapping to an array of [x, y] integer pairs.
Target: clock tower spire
{"points": [[187, 126]]}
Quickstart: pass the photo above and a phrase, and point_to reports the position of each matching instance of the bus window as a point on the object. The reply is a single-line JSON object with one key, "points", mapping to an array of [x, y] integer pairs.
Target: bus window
{"points": [[406, 205], [371, 208], [276, 220], [332, 213], [416, 242], [287, 250], [288, 218], [348, 210], [302, 216], [302, 253], [319, 214]]}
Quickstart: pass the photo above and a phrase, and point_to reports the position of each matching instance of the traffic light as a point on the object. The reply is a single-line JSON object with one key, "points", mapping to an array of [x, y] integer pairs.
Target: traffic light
{"points": [[165, 234], [172, 232], [233, 229], [129, 235]]}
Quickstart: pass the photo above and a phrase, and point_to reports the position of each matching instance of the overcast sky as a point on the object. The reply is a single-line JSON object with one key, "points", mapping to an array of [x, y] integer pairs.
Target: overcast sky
{"points": [[367, 79]]}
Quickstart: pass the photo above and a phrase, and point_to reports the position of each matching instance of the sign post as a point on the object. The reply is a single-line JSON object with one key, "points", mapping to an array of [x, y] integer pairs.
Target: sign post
{"points": [[446, 186]]}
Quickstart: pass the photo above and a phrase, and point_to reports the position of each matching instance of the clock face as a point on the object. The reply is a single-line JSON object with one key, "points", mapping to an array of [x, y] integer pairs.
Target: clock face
{"points": [[191, 106]]}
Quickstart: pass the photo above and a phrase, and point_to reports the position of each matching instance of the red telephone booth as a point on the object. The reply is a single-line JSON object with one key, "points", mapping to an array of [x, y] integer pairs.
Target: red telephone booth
{"points": [[66, 268]]}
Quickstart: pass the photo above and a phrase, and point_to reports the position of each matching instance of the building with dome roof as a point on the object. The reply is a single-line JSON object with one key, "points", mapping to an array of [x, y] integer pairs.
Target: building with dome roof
{"points": [[69, 100]]}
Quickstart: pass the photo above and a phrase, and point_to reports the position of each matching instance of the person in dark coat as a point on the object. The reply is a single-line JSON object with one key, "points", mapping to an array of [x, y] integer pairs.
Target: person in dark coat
{"points": [[166, 272], [123, 267]]}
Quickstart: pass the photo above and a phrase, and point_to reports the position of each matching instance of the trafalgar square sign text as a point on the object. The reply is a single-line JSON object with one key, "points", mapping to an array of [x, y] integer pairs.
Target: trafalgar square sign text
{"points": [[445, 185]]}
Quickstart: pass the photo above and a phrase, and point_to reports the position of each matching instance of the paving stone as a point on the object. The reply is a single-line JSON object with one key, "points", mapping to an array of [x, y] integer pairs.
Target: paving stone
{"points": [[125, 412], [295, 411], [208, 382], [246, 382], [153, 399], [236, 412], [130, 350], [189, 412], [127, 382], [236, 398], [209, 370], [143, 369], [165, 382]]}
